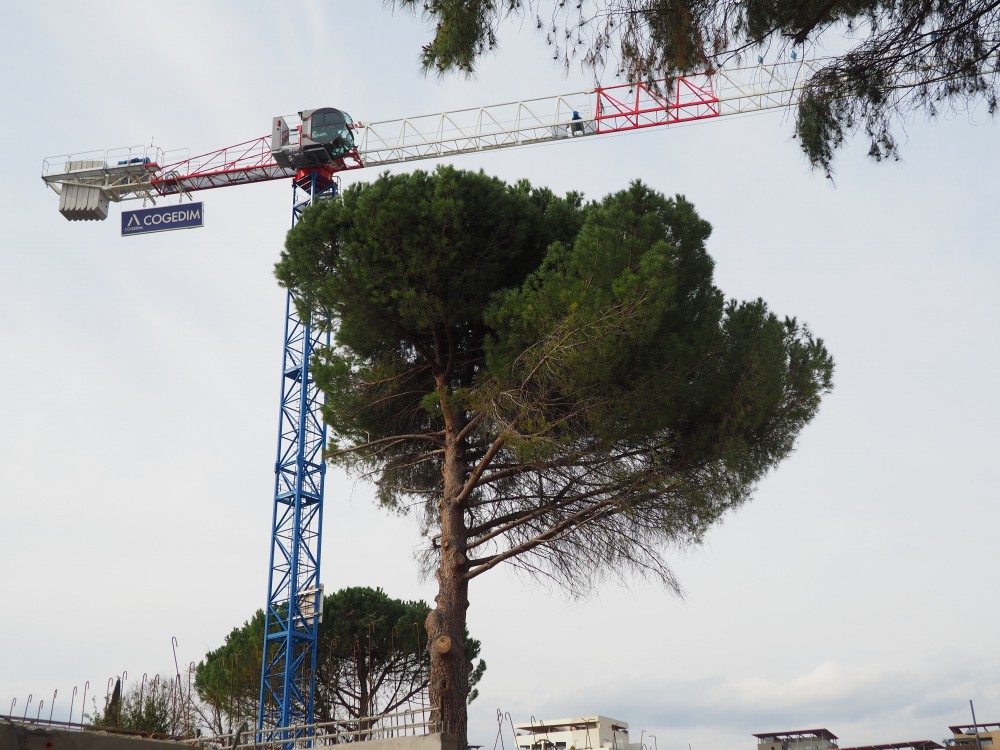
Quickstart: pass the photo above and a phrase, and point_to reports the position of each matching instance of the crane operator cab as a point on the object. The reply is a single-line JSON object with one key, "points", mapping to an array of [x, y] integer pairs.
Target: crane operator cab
{"points": [[324, 136]]}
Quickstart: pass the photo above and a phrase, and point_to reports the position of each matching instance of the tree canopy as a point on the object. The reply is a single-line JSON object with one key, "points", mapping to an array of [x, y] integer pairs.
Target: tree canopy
{"points": [[891, 57], [372, 660], [545, 382], [157, 706]]}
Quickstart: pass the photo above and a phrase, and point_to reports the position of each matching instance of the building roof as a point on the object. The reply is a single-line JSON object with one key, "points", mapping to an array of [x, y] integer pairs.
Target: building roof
{"points": [[912, 745], [823, 734], [991, 726], [576, 722]]}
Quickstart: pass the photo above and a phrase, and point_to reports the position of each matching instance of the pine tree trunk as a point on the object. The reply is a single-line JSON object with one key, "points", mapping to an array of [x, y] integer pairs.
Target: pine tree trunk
{"points": [[449, 677]]}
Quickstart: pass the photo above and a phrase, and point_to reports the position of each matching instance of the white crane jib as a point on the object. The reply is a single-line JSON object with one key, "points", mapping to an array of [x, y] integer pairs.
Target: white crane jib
{"points": [[88, 183]]}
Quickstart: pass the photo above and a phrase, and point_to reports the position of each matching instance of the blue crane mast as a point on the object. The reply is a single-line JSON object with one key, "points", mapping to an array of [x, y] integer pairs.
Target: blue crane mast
{"points": [[295, 594], [294, 591]]}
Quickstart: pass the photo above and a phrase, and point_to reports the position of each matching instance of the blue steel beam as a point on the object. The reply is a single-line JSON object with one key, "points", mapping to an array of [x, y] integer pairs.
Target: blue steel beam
{"points": [[295, 597]]}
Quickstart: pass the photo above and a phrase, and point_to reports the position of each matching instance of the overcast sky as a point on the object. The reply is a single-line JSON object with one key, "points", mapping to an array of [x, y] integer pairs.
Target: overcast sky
{"points": [[140, 383]]}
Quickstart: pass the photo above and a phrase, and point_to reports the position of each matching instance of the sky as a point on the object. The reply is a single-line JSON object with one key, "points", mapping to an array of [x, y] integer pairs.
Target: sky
{"points": [[139, 389]]}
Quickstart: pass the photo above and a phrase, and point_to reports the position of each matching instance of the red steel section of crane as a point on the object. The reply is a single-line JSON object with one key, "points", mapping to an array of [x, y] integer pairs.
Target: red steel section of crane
{"points": [[642, 105], [617, 108], [242, 164]]}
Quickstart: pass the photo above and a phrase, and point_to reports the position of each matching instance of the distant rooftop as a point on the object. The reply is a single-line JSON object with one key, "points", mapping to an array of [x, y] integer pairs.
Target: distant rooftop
{"points": [[992, 726], [823, 734], [913, 745], [577, 722]]}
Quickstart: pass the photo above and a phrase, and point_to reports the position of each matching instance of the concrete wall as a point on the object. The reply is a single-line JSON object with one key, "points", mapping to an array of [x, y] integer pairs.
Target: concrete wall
{"points": [[14, 736], [26, 737], [426, 742]]}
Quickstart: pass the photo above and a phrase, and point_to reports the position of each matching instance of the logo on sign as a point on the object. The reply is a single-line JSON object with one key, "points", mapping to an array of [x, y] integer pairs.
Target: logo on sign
{"points": [[162, 219]]}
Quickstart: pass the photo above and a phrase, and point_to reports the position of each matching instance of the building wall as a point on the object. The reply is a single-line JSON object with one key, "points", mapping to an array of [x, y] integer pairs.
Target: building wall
{"points": [[583, 733], [986, 739]]}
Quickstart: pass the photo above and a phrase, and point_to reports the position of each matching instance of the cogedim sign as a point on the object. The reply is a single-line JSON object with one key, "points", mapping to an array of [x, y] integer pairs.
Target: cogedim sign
{"points": [[162, 219]]}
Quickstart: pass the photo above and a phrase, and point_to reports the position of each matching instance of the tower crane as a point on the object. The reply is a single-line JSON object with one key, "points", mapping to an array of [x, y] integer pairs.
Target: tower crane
{"points": [[310, 150]]}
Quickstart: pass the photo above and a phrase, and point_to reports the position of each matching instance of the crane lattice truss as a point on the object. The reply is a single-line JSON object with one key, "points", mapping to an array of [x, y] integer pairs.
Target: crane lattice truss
{"points": [[145, 173], [294, 590]]}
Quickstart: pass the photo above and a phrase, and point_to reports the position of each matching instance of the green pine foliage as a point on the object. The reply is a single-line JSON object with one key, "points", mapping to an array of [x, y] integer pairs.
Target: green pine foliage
{"points": [[371, 660], [228, 679], [569, 334], [151, 708], [415, 261]]}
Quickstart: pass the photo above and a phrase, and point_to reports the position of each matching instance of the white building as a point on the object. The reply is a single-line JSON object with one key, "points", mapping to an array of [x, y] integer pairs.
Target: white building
{"points": [[578, 733]]}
